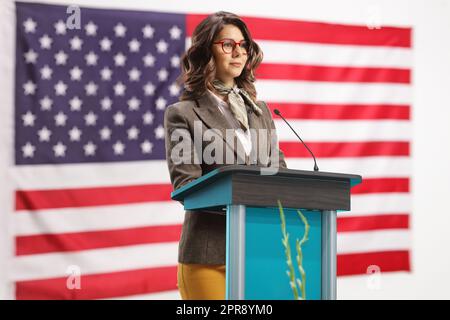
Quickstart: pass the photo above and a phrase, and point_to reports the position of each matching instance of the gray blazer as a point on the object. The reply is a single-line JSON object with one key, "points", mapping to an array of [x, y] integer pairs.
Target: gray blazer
{"points": [[203, 232]]}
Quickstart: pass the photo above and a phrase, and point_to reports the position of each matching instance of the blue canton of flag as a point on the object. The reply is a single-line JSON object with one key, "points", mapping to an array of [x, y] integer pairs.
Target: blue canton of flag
{"points": [[97, 93]]}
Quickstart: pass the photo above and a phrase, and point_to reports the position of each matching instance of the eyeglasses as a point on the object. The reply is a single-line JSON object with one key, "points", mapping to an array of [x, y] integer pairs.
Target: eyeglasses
{"points": [[228, 45]]}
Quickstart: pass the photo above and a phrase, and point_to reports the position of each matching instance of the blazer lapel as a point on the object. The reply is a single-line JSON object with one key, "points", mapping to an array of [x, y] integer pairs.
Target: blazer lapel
{"points": [[209, 113], [257, 122]]}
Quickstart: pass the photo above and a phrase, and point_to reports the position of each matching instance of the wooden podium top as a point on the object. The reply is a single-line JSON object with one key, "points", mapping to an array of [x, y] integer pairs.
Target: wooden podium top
{"points": [[255, 185]]}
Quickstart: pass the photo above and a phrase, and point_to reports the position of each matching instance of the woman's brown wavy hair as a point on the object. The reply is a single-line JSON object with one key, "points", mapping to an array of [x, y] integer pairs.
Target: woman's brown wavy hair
{"points": [[198, 67]]}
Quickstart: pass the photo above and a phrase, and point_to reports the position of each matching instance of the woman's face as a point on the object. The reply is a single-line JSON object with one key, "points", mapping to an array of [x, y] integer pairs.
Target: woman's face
{"points": [[229, 65]]}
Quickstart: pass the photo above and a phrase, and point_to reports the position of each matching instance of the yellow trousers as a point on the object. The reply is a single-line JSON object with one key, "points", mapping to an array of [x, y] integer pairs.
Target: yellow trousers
{"points": [[201, 281]]}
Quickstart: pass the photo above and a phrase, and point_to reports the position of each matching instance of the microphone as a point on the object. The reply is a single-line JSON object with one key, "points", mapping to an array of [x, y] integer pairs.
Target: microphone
{"points": [[278, 113]]}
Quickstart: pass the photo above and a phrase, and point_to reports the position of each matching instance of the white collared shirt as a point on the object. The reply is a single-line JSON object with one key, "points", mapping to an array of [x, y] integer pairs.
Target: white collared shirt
{"points": [[244, 137]]}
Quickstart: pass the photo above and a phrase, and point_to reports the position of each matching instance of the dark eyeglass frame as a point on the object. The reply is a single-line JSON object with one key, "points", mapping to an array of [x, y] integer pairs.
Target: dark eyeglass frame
{"points": [[244, 51]]}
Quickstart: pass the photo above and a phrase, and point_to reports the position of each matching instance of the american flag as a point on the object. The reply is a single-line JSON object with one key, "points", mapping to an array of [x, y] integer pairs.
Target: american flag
{"points": [[90, 181]]}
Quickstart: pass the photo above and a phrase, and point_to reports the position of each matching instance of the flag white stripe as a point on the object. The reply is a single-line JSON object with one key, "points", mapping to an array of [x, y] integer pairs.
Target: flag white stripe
{"points": [[373, 241], [95, 261], [289, 52], [292, 52], [344, 130], [367, 167], [379, 203], [89, 175], [98, 218], [332, 92]]}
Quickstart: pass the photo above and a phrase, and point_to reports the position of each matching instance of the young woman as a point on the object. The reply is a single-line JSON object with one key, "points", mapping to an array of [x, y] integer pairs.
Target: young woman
{"points": [[218, 76]]}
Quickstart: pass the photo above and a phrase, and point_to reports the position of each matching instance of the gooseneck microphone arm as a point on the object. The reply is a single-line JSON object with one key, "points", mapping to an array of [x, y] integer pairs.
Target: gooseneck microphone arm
{"points": [[278, 113]]}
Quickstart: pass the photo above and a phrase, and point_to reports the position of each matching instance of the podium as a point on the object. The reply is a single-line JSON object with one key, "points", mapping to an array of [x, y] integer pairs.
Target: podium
{"points": [[255, 256]]}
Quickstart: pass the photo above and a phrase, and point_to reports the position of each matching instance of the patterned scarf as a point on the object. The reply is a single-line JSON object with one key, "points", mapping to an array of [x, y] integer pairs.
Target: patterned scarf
{"points": [[237, 97]]}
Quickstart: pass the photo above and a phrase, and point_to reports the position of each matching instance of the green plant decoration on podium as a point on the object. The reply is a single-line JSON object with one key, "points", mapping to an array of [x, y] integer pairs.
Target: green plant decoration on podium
{"points": [[297, 285]]}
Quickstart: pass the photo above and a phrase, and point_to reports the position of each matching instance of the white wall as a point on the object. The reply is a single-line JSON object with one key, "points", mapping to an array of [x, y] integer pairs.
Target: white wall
{"points": [[431, 122]]}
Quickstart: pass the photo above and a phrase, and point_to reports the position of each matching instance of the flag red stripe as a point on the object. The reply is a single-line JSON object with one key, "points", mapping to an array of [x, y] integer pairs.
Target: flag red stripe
{"points": [[358, 263], [375, 222], [101, 286], [76, 241], [295, 149], [341, 111], [275, 71], [316, 32], [85, 197], [380, 185]]}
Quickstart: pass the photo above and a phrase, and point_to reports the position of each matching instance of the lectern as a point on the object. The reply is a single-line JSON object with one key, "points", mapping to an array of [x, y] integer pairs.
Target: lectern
{"points": [[255, 256]]}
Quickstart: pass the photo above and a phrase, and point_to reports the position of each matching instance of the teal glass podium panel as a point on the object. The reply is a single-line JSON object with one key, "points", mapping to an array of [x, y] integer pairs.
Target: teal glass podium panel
{"points": [[265, 258]]}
